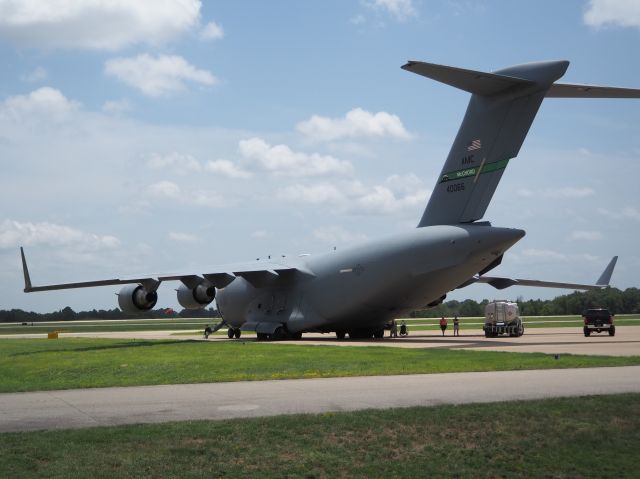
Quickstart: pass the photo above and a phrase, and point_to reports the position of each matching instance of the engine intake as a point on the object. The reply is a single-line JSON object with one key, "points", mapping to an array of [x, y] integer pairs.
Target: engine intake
{"points": [[135, 298], [196, 298]]}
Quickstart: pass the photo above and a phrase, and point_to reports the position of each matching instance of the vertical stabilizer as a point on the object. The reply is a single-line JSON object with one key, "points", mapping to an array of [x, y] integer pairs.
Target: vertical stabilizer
{"points": [[501, 110]]}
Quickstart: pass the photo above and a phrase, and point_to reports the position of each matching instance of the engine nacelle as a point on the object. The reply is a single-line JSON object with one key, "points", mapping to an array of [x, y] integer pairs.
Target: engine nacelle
{"points": [[196, 298], [135, 298]]}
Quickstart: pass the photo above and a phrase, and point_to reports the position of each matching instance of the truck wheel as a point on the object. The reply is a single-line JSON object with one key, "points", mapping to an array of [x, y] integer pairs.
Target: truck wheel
{"points": [[587, 333], [612, 331]]}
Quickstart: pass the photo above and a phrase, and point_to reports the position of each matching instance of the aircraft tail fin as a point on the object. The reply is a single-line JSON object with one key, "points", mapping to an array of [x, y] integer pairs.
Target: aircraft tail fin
{"points": [[502, 108], [25, 272], [605, 277]]}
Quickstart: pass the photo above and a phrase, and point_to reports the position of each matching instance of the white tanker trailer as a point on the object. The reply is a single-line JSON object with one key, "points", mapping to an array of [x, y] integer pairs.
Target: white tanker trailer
{"points": [[502, 317]]}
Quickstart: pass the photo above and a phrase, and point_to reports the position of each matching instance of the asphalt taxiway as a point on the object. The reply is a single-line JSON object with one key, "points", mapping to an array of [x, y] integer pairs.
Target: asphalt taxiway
{"points": [[82, 408], [565, 340]]}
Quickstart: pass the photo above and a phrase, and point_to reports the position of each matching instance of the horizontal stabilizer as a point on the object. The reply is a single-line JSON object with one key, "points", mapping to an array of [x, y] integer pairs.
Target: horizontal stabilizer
{"points": [[480, 83], [565, 90], [502, 283]]}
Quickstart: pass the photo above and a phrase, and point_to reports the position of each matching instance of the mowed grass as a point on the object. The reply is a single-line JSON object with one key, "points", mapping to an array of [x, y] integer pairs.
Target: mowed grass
{"points": [[109, 326], [41, 364], [560, 438]]}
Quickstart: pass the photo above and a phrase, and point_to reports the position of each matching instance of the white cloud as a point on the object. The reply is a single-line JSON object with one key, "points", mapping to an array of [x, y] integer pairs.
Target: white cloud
{"points": [[555, 193], [623, 13], [168, 190], [334, 234], [626, 213], [178, 163], [14, 234], [544, 254], [259, 234], [116, 106], [157, 76], [586, 235], [314, 194], [43, 102], [37, 75], [164, 189], [182, 164], [401, 9], [179, 237], [355, 123], [281, 160], [95, 24], [388, 198], [212, 31], [226, 168]]}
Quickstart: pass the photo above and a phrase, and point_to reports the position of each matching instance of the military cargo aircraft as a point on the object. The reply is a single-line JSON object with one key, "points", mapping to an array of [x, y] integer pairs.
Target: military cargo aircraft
{"points": [[357, 290]]}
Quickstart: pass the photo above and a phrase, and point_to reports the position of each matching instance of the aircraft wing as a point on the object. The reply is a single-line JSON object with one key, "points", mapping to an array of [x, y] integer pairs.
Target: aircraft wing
{"points": [[502, 283], [258, 273]]}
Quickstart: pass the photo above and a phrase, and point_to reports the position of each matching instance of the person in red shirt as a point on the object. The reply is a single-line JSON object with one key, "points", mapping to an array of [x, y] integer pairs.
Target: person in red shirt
{"points": [[443, 324]]}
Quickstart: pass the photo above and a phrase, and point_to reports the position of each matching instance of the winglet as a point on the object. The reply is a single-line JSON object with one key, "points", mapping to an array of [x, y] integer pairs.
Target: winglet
{"points": [[605, 277], [25, 271]]}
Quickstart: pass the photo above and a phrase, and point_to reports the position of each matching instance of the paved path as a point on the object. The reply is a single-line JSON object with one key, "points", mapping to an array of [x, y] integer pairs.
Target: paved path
{"points": [[151, 404]]}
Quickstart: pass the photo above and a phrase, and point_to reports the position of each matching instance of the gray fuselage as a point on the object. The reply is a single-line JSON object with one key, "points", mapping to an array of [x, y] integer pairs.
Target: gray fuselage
{"points": [[362, 287]]}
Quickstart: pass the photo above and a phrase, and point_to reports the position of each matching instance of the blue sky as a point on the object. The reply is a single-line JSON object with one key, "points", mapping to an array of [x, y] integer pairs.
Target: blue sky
{"points": [[157, 136]]}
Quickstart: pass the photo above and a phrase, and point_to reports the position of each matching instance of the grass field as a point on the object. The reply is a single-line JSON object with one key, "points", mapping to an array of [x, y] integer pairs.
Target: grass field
{"points": [[41, 364], [560, 438], [104, 326]]}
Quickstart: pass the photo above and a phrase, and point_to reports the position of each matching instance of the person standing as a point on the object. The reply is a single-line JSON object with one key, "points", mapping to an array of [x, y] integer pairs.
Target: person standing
{"points": [[456, 326], [394, 329], [443, 324]]}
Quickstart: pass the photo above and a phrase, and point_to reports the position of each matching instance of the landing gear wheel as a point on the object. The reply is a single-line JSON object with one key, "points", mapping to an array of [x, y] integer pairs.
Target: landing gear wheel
{"points": [[340, 334], [296, 336], [378, 334], [279, 334], [237, 333], [262, 336], [230, 333]]}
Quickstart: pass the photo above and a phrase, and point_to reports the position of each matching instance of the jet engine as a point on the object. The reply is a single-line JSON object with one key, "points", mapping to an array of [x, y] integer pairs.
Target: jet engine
{"points": [[135, 298], [196, 298]]}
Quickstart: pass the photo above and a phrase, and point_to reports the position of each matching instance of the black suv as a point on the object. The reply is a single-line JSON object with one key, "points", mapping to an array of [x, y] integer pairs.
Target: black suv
{"points": [[598, 320]]}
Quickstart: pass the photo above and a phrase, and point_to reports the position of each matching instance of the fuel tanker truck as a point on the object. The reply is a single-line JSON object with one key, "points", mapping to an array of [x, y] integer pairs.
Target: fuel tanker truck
{"points": [[502, 317]]}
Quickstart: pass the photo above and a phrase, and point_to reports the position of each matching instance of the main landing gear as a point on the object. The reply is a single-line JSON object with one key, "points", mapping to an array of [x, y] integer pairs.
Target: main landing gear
{"points": [[234, 333], [279, 334]]}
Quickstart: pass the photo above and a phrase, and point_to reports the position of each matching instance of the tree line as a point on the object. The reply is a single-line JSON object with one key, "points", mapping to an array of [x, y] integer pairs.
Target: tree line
{"points": [[617, 301], [68, 314]]}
